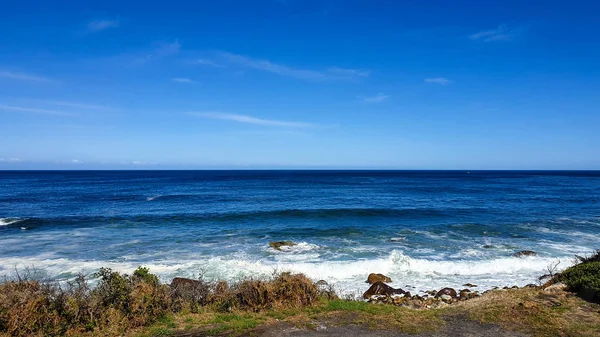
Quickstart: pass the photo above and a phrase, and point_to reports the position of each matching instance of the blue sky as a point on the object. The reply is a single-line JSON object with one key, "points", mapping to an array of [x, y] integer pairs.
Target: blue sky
{"points": [[300, 84]]}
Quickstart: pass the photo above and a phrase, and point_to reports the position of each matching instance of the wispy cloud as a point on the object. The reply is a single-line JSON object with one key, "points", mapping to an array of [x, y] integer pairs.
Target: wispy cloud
{"points": [[250, 120], [333, 73], [23, 77], [76, 105], [35, 110], [502, 33], [182, 80], [208, 63], [100, 25], [10, 160], [160, 50], [438, 80], [380, 97]]}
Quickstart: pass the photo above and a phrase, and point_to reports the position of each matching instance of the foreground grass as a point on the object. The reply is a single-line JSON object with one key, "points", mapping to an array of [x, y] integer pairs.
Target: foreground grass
{"points": [[531, 311]]}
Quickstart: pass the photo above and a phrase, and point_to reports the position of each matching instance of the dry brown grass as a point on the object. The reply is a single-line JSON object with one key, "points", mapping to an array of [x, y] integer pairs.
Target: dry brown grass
{"points": [[535, 311]]}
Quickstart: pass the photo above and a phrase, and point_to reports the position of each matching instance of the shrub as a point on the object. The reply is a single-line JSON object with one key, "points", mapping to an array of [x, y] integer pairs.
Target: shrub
{"points": [[584, 279]]}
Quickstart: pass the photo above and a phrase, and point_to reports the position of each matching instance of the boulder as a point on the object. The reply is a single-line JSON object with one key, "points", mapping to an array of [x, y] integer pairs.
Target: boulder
{"points": [[446, 291], [556, 287], [488, 246], [464, 294], [181, 282], [380, 288], [378, 278], [525, 253], [278, 244], [446, 298], [470, 285], [321, 283], [530, 285]]}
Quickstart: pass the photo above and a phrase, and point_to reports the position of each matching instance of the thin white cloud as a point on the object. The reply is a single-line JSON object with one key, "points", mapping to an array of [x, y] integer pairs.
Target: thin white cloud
{"points": [[499, 34], [76, 161], [334, 73], [35, 110], [438, 80], [10, 160], [250, 120], [380, 97], [23, 77], [77, 105], [182, 80], [209, 63], [100, 25], [161, 50]]}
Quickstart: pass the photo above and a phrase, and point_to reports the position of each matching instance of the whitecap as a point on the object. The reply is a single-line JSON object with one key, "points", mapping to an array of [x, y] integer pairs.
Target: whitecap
{"points": [[9, 221]]}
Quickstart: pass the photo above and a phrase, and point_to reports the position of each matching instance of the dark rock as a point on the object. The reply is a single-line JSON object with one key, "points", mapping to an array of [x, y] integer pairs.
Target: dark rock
{"points": [[446, 291], [464, 294], [530, 285], [380, 288], [525, 253], [180, 282], [278, 244], [321, 283], [378, 278], [470, 285], [488, 246]]}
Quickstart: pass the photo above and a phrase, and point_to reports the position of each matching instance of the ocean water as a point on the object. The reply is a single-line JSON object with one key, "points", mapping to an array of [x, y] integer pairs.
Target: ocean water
{"points": [[425, 229]]}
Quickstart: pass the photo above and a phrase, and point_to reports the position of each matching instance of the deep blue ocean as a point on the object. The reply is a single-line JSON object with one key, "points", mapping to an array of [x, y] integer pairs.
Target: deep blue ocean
{"points": [[425, 229]]}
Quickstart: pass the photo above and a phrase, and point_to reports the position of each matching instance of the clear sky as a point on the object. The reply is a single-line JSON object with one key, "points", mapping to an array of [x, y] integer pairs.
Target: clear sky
{"points": [[300, 84]]}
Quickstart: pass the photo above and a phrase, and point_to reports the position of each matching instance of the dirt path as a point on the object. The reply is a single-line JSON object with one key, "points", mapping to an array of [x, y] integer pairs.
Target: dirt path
{"points": [[454, 326]]}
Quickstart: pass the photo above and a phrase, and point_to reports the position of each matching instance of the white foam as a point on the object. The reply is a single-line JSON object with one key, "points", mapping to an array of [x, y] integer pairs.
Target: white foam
{"points": [[153, 197], [9, 221], [347, 276]]}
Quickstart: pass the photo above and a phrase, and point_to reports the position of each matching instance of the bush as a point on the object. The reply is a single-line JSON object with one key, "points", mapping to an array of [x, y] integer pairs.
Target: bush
{"points": [[584, 279]]}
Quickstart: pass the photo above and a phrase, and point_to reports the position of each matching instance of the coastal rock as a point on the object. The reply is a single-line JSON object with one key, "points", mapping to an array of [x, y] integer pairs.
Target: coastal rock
{"points": [[446, 298], [525, 253], [470, 285], [464, 294], [488, 246], [181, 282], [530, 285], [446, 291], [556, 287], [322, 283], [380, 288], [378, 278], [278, 244]]}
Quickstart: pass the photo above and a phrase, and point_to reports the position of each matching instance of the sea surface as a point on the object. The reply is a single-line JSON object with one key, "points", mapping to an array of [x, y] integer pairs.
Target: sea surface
{"points": [[424, 229]]}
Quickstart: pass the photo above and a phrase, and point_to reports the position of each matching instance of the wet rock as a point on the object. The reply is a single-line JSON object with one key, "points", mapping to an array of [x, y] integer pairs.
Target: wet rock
{"points": [[470, 285], [488, 246], [446, 291], [514, 287], [378, 278], [322, 283], [530, 285], [525, 253], [380, 288], [278, 244]]}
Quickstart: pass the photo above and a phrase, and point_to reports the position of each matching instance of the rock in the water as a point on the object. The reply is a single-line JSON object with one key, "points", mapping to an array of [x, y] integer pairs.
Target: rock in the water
{"points": [[556, 287], [321, 283], [488, 246], [380, 288], [278, 244], [525, 253], [446, 291], [378, 278], [470, 285]]}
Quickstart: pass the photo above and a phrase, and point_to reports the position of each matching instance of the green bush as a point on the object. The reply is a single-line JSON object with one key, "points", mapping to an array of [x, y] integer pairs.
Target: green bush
{"points": [[584, 279]]}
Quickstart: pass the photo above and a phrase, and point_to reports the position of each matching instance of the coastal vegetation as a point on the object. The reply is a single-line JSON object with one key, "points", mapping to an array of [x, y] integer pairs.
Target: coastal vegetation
{"points": [[116, 304]]}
